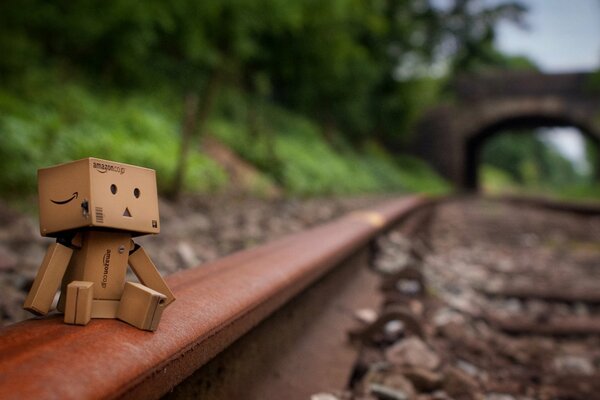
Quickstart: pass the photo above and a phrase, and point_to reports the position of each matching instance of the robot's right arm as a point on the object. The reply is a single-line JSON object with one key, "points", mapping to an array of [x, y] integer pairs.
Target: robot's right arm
{"points": [[48, 279]]}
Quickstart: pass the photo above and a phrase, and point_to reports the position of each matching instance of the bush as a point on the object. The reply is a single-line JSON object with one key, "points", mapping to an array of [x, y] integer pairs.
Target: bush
{"points": [[44, 121], [55, 123], [292, 151]]}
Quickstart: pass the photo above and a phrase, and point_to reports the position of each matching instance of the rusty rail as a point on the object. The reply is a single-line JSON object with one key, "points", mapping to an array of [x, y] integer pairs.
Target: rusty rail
{"points": [[216, 305], [551, 326], [581, 207], [547, 293]]}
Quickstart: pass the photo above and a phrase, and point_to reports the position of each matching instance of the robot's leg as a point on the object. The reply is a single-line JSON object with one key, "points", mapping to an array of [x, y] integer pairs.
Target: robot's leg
{"points": [[141, 306], [78, 307]]}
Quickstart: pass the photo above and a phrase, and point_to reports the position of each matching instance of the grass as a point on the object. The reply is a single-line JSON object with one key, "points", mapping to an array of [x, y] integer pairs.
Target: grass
{"points": [[55, 123], [292, 151], [46, 121], [497, 182]]}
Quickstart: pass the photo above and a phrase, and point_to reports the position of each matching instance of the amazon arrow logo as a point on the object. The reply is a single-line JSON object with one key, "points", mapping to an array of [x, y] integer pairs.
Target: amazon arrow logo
{"points": [[75, 195]]}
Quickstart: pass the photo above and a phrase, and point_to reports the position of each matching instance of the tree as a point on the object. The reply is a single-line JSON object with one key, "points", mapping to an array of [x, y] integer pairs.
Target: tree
{"points": [[529, 159], [360, 67]]}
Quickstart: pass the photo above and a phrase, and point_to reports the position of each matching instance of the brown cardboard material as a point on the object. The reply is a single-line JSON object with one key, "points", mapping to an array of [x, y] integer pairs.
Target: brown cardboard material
{"points": [[144, 269], [46, 283], [97, 193], [105, 308], [94, 207], [141, 307], [78, 308], [102, 259]]}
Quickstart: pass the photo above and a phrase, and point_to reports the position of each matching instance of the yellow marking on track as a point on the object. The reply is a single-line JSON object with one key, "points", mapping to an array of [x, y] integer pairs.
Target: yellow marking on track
{"points": [[371, 217]]}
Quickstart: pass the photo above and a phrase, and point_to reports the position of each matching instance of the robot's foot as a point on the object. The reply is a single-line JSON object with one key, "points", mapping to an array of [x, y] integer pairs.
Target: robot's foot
{"points": [[78, 307], [141, 306]]}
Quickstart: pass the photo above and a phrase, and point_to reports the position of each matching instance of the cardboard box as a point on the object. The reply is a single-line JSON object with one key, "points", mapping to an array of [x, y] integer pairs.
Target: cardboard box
{"points": [[141, 306], [105, 308], [98, 193], [102, 259], [78, 308], [48, 279], [148, 274]]}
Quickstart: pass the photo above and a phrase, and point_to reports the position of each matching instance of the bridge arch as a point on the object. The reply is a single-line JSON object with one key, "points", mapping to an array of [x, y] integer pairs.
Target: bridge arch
{"points": [[451, 136], [476, 139]]}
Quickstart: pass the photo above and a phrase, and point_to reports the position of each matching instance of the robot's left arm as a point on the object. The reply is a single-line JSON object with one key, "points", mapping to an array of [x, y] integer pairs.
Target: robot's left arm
{"points": [[144, 269]]}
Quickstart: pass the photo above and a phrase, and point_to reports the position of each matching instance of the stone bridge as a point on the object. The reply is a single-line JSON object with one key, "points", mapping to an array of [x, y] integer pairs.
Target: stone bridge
{"points": [[451, 135]]}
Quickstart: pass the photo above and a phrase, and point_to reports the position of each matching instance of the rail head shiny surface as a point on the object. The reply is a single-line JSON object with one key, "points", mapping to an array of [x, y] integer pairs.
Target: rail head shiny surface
{"points": [[216, 304]]}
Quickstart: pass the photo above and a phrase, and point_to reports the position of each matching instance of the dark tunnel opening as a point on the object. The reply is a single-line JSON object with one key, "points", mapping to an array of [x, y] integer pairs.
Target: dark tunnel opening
{"points": [[530, 154]]}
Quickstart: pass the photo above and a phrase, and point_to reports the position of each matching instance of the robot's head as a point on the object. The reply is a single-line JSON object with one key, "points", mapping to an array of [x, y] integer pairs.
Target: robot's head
{"points": [[98, 193]]}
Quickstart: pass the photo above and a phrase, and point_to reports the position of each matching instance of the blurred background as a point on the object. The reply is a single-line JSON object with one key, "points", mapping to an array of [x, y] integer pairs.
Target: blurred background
{"points": [[272, 97], [265, 117]]}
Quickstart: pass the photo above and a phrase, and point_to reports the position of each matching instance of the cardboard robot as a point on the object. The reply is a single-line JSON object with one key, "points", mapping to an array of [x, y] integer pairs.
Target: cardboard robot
{"points": [[94, 208]]}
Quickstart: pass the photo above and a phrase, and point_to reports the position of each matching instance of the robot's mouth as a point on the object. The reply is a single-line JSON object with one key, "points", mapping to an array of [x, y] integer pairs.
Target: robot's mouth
{"points": [[126, 213]]}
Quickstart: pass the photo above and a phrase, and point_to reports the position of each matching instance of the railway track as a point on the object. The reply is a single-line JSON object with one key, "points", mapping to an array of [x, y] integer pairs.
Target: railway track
{"points": [[498, 302], [284, 286], [305, 315]]}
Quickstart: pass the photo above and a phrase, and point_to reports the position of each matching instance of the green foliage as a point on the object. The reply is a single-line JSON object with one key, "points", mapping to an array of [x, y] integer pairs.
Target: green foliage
{"points": [[471, 29], [496, 181], [420, 177], [300, 160], [594, 83], [46, 122], [42, 126], [524, 162], [399, 111], [350, 73], [344, 63], [529, 160]]}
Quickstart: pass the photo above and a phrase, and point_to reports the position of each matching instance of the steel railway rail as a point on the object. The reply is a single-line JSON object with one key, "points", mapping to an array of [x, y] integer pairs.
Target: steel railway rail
{"points": [[582, 208], [246, 326]]}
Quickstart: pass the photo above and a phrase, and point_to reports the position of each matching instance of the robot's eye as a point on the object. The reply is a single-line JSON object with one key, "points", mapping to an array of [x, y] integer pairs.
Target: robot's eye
{"points": [[113, 188], [136, 193]]}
